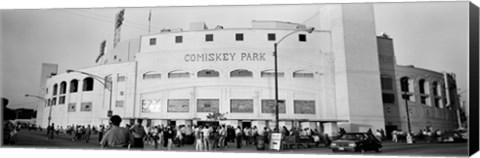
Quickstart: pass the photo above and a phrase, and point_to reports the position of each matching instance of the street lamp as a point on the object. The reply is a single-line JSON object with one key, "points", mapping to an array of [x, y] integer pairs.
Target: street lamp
{"points": [[404, 89], [104, 82], [275, 45], [43, 99]]}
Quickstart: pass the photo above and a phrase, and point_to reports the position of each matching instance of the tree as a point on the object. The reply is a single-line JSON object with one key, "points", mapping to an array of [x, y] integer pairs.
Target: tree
{"points": [[8, 114], [217, 116]]}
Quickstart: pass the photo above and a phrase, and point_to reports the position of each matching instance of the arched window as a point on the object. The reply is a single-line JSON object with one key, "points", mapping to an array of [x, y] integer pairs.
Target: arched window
{"points": [[63, 87], [302, 74], [208, 73], [151, 75], [55, 89], [88, 84], [271, 73], [405, 85], [178, 74], [241, 73], [73, 86], [435, 88], [423, 86]]}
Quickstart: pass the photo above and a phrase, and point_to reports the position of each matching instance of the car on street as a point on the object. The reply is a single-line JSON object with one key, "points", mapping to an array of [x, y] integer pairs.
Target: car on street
{"points": [[452, 137], [357, 142]]}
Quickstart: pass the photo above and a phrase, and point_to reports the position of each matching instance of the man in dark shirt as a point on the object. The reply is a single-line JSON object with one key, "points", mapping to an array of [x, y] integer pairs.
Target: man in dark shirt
{"points": [[138, 132], [116, 137]]}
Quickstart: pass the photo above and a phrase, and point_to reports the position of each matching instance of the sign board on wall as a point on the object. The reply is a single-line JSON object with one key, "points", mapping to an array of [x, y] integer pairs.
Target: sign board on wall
{"points": [[208, 105], [241, 105], [178, 105], [268, 106], [151, 105], [304, 107]]}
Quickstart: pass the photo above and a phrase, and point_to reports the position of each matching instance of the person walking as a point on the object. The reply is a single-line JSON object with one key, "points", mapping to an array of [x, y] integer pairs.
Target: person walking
{"points": [[169, 135], [223, 134], [206, 135], [100, 132], [51, 132], [138, 132], [88, 132], [199, 139], [378, 135], [116, 137], [155, 133], [394, 136], [238, 136], [211, 138], [179, 137]]}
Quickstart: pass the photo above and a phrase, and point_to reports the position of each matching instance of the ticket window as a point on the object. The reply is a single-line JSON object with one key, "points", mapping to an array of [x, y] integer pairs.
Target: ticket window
{"points": [[246, 124]]}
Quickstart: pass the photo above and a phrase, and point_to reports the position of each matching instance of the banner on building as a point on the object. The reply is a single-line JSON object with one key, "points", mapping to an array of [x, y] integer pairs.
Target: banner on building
{"points": [[178, 105], [241, 105], [208, 105], [268, 106]]}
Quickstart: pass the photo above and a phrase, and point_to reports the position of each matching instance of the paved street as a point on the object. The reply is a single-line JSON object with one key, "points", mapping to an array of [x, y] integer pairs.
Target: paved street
{"points": [[27, 139]]}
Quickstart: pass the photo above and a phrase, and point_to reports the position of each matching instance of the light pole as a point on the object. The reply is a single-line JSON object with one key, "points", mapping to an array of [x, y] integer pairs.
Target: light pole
{"points": [[104, 82], [43, 99], [404, 89], [275, 45]]}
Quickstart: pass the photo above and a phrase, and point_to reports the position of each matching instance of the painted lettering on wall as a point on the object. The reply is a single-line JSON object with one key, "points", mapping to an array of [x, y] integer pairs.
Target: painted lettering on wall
{"points": [[209, 57]]}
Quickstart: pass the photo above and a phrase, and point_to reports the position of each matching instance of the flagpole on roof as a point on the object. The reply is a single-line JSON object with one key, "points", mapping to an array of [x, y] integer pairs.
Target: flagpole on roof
{"points": [[149, 20]]}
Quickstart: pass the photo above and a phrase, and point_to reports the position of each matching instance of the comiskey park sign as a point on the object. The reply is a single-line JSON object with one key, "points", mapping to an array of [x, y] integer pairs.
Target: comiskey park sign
{"points": [[215, 57]]}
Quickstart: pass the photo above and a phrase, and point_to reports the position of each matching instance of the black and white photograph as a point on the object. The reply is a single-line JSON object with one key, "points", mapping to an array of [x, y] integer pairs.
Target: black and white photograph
{"points": [[315, 79]]}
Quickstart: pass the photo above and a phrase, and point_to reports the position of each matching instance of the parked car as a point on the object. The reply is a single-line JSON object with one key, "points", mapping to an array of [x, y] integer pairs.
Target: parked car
{"points": [[452, 137], [357, 142]]}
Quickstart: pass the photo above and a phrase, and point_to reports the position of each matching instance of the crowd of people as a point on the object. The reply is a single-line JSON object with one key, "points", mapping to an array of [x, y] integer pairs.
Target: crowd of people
{"points": [[428, 134], [206, 137]]}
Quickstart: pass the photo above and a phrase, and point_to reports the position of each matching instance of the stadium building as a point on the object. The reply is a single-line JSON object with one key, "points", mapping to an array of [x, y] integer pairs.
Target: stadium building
{"points": [[339, 75]]}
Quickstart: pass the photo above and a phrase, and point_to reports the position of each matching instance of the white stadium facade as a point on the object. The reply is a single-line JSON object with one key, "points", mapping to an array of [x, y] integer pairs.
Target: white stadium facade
{"points": [[339, 75]]}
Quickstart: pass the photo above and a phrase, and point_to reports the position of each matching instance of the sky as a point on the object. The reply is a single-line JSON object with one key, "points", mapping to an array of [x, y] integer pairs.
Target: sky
{"points": [[428, 35]]}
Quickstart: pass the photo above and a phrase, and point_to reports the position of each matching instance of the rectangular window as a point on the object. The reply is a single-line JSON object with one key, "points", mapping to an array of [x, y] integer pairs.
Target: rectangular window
{"points": [[178, 39], [386, 83], [153, 41], [271, 37], [61, 100], [208, 105], [72, 107], [239, 37], [209, 37], [388, 98], [119, 103], [178, 105], [304, 106], [54, 101], [241, 105], [302, 37], [86, 106], [268, 106], [121, 78]]}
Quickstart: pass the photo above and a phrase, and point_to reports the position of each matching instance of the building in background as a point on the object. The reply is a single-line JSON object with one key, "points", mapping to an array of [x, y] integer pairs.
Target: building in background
{"points": [[340, 75]]}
